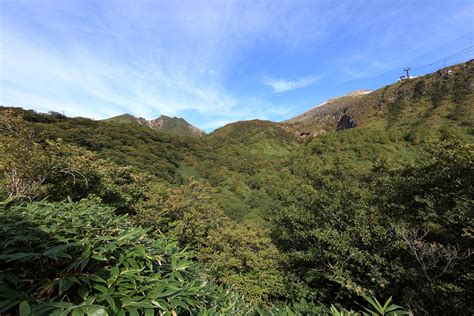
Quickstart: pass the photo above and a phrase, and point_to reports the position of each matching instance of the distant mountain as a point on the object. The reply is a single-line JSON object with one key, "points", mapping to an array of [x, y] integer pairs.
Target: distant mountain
{"points": [[171, 125], [435, 99]]}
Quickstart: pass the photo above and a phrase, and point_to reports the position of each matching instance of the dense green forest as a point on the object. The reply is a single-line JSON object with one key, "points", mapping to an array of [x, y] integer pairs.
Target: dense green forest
{"points": [[106, 218]]}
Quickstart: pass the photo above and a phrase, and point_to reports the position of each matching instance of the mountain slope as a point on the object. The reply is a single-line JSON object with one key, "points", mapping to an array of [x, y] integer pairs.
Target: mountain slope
{"points": [[166, 124], [250, 132], [125, 142], [441, 98], [239, 160]]}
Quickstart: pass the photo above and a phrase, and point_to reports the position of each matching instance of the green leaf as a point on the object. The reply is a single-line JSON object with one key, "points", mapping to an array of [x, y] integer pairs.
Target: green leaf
{"points": [[77, 312], [24, 308], [133, 311], [182, 304], [18, 256], [115, 271], [83, 292], [158, 289], [289, 312], [126, 236], [112, 304], [149, 312], [58, 251], [133, 263], [183, 265], [140, 250], [6, 292], [64, 285], [168, 293], [140, 304], [95, 310], [394, 307], [99, 257], [387, 304], [101, 288]]}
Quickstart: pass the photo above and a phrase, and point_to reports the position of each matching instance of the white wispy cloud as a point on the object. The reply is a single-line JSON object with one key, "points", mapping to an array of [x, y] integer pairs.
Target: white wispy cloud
{"points": [[116, 65], [92, 84], [282, 85], [359, 67]]}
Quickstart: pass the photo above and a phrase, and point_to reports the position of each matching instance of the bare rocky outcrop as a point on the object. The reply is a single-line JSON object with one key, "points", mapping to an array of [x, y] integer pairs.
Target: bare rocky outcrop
{"points": [[345, 122]]}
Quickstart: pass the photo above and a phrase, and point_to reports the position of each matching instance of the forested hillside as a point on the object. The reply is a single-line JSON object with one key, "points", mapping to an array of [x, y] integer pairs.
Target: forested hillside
{"points": [[367, 196]]}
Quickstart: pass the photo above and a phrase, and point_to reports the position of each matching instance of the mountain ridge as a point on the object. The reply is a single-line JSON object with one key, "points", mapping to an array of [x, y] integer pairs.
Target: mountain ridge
{"points": [[166, 124]]}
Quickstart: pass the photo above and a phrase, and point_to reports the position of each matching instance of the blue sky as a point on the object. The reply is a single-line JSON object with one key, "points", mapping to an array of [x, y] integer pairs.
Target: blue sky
{"points": [[215, 62]]}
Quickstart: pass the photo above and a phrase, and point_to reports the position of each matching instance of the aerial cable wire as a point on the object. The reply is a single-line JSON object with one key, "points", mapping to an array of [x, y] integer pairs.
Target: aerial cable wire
{"points": [[461, 52]]}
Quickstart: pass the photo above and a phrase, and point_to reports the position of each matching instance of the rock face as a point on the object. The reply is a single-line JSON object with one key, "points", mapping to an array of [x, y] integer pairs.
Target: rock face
{"points": [[345, 122]]}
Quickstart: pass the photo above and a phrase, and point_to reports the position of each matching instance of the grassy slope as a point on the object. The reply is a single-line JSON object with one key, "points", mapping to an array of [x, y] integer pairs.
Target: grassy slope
{"points": [[123, 119], [429, 102], [394, 120]]}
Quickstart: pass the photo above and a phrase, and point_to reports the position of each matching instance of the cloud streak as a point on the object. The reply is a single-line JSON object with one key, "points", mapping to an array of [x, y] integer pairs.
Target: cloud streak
{"points": [[283, 85]]}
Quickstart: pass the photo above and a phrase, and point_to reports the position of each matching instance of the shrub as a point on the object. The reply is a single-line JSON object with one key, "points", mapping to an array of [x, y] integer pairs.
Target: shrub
{"points": [[56, 170], [25, 163], [232, 255], [80, 258]]}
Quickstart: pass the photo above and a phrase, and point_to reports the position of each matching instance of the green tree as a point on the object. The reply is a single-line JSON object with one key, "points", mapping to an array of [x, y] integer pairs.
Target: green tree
{"points": [[401, 229], [233, 255]]}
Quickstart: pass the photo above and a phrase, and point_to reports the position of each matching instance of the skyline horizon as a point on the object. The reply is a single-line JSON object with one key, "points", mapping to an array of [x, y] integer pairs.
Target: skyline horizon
{"points": [[249, 119], [215, 62]]}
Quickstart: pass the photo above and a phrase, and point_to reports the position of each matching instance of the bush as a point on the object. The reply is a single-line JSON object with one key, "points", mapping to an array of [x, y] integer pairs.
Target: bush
{"points": [[55, 170], [80, 258], [25, 164]]}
